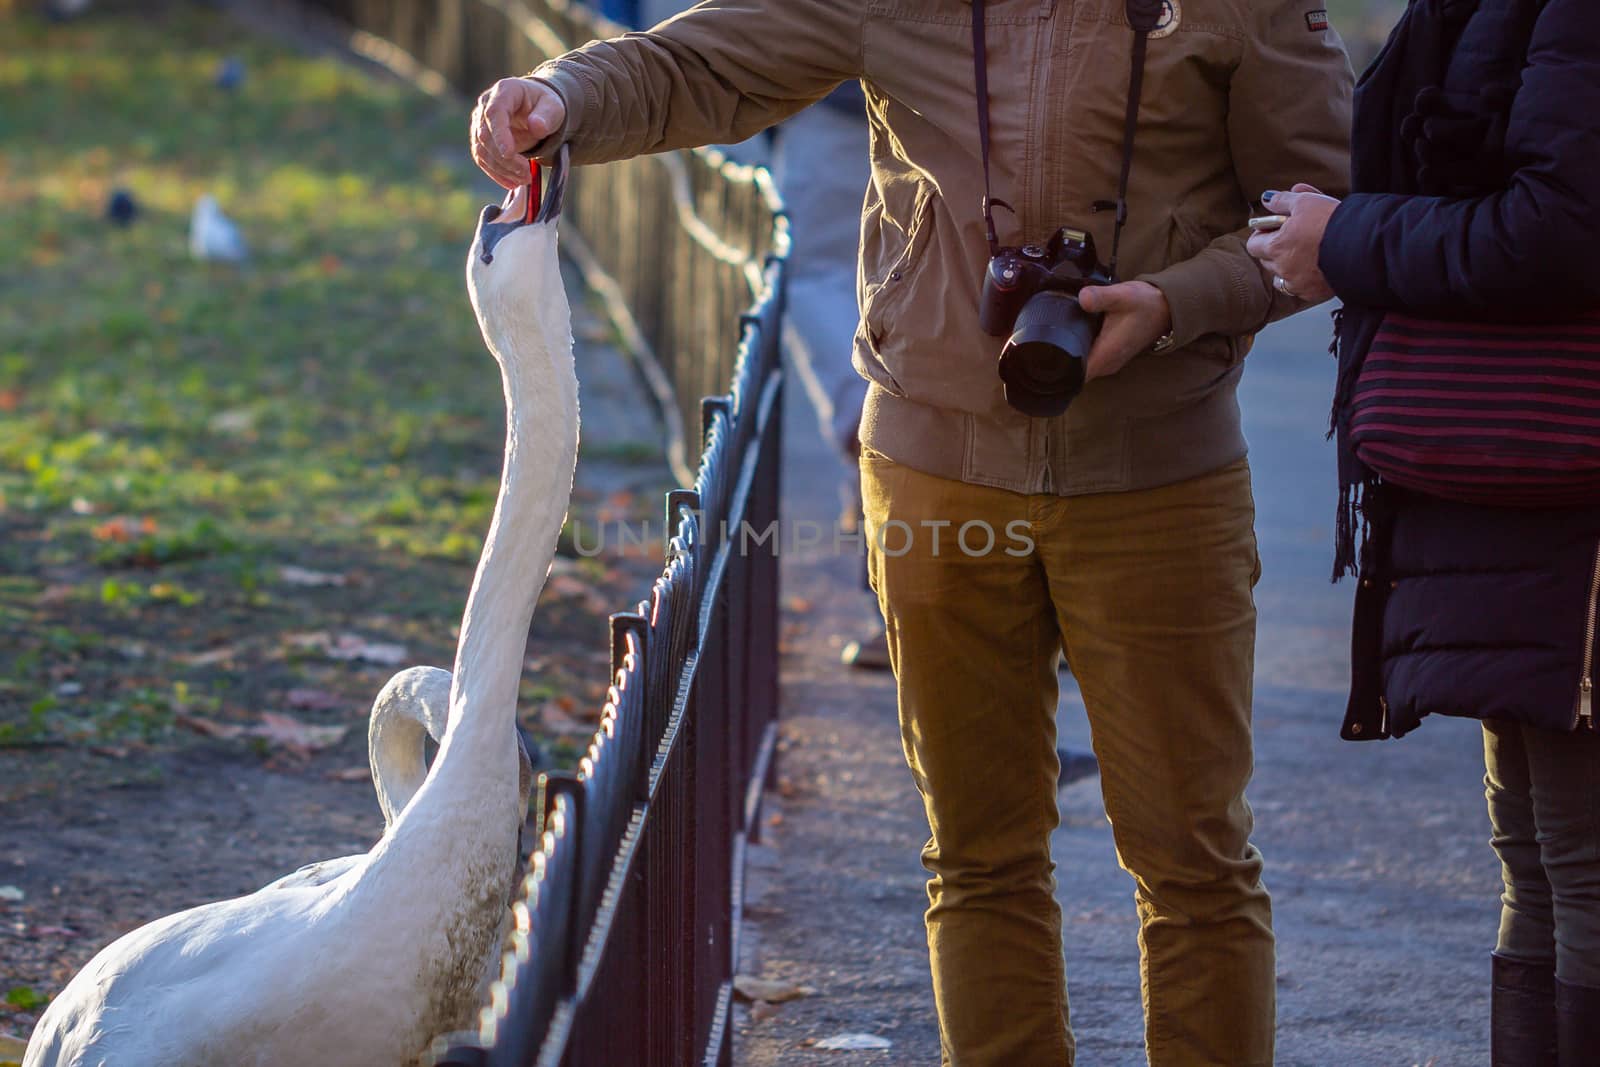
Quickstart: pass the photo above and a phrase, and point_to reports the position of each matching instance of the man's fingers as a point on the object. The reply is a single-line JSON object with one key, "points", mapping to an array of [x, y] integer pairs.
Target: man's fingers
{"points": [[547, 116], [496, 121], [491, 161], [1101, 299], [1303, 187]]}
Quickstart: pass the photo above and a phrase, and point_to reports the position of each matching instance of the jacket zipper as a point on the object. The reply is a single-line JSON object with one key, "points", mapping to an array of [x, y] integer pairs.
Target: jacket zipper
{"points": [[1034, 190], [1586, 683]]}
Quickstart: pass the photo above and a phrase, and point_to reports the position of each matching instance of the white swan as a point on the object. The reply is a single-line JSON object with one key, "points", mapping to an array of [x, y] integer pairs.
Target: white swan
{"points": [[364, 965]]}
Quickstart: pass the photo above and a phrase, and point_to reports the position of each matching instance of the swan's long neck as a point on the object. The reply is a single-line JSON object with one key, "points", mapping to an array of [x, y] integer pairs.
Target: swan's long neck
{"points": [[411, 708], [528, 327]]}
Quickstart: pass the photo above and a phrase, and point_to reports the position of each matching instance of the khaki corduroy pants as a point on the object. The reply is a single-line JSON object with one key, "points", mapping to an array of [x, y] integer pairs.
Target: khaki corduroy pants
{"points": [[1150, 595]]}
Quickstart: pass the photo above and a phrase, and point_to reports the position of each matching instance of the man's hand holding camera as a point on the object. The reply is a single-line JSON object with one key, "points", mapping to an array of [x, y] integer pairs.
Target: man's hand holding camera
{"points": [[1136, 317]]}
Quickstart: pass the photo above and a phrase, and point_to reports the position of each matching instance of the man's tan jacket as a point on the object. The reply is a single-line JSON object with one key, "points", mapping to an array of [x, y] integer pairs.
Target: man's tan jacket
{"points": [[1240, 96]]}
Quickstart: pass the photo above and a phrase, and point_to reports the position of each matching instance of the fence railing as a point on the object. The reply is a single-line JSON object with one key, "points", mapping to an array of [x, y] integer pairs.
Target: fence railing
{"points": [[674, 243], [626, 935]]}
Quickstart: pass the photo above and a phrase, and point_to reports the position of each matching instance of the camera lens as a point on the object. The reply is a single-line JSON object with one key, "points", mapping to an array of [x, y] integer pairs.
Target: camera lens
{"points": [[1042, 363]]}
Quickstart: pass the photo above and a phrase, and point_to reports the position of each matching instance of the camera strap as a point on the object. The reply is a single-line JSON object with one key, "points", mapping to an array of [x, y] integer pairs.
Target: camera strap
{"points": [[1143, 15]]}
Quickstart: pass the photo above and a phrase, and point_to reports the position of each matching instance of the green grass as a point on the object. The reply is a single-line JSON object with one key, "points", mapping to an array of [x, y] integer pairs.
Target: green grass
{"points": [[172, 433]]}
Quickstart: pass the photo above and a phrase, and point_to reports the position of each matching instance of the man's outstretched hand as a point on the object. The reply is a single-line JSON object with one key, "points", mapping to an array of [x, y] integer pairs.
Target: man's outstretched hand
{"points": [[512, 116]]}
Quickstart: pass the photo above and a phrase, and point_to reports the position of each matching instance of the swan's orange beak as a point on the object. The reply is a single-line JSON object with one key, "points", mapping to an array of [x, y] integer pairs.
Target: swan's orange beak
{"points": [[537, 202]]}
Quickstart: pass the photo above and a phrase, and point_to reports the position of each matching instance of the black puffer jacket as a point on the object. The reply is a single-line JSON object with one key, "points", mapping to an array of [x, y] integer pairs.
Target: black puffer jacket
{"points": [[1477, 174]]}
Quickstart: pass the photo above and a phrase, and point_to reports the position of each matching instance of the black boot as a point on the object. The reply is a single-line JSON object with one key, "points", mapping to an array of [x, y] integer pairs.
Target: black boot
{"points": [[1522, 1014], [1578, 1024]]}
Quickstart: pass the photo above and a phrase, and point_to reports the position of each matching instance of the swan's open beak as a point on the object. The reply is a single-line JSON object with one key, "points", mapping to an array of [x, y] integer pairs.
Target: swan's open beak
{"points": [[537, 202]]}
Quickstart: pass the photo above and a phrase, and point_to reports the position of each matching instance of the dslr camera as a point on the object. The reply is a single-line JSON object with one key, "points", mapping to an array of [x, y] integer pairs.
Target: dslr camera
{"points": [[1030, 296]]}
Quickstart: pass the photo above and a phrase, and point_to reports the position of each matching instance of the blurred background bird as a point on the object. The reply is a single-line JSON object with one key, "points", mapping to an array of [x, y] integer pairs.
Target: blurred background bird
{"points": [[121, 207], [230, 73], [214, 236]]}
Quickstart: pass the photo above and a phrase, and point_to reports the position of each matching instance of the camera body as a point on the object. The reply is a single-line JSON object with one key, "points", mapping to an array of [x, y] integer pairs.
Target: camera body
{"points": [[1030, 296]]}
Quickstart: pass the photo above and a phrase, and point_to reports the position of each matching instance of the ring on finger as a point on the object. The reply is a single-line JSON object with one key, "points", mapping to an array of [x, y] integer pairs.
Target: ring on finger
{"points": [[1282, 286]]}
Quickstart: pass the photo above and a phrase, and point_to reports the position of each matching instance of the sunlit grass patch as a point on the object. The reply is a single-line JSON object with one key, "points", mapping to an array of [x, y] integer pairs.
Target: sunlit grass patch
{"points": [[176, 433]]}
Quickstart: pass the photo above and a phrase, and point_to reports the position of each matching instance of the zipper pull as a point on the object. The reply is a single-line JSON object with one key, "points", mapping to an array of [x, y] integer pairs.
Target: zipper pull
{"points": [[1586, 703]]}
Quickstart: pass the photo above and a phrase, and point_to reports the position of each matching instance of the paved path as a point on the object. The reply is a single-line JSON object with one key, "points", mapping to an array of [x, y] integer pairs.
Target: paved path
{"points": [[1384, 887]]}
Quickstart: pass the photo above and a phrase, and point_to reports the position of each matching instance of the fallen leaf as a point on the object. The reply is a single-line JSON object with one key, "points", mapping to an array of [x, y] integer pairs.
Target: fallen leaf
{"points": [[854, 1043], [11, 894], [116, 530], [9, 399], [300, 738], [209, 727], [234, 421], [351, 774], [352, 647], [314, 700], [55, 594], [771, 990], [307, 577], [317, 640], [209, 657]]}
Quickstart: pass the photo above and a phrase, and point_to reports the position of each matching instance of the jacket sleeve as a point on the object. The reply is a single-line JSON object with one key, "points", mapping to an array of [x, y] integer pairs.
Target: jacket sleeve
{"points": [[718, 73], [1288, 121], [1528, 247]]}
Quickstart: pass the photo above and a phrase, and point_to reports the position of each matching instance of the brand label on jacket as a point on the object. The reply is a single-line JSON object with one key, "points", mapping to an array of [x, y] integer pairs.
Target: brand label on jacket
{"points": [[1167, 23], [1317, 21]]}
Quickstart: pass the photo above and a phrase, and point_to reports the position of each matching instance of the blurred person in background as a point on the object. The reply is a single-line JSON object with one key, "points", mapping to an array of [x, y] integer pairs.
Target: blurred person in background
{"points": [[1134, 502], [1467, 418]]}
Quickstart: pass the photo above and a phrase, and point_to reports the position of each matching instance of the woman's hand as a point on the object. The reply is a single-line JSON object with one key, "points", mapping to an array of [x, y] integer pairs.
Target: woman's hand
{"points": [[511, 117], [1289, 253]]}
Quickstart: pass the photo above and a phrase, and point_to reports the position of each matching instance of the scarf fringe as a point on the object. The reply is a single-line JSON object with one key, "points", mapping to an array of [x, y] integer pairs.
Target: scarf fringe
{"points": [[1358, 483], [1351, 528]]}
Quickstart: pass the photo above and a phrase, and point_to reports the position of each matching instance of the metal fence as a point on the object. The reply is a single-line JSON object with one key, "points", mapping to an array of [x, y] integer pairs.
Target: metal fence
{"points": [[674, 243], [626, 936]]}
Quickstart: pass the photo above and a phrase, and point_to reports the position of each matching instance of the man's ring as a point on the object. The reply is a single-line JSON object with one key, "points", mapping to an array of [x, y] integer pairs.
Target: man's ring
{"points": [[1282, 286]]}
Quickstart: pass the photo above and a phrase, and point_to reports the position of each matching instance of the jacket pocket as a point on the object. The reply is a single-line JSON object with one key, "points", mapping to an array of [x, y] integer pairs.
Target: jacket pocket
{"points": [[885, 295]]}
